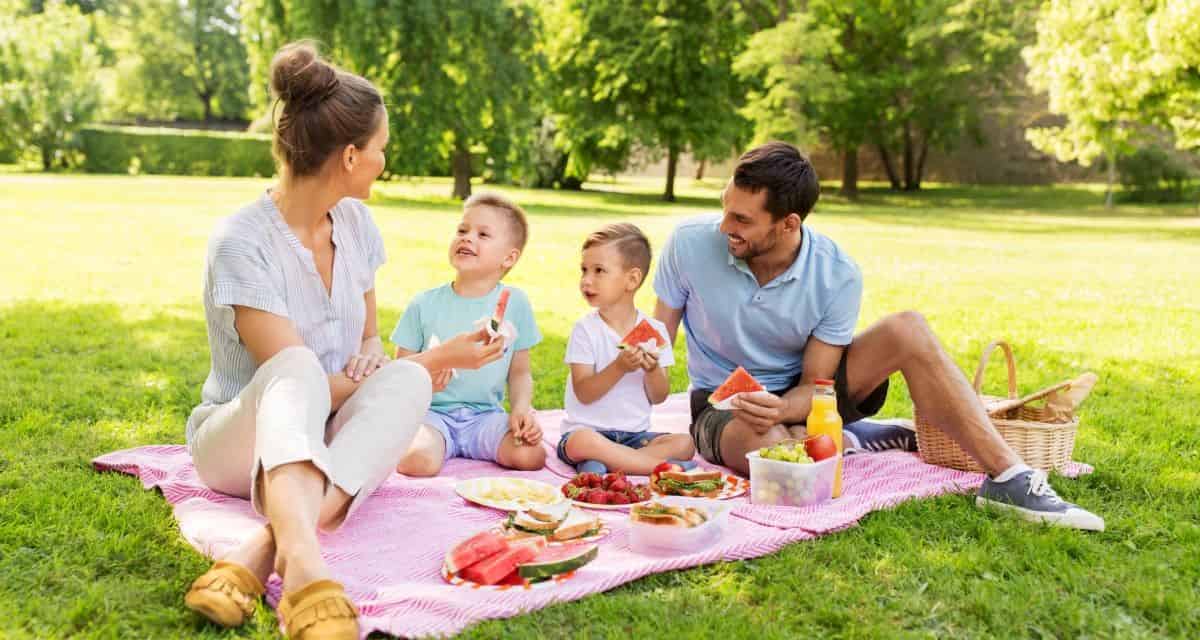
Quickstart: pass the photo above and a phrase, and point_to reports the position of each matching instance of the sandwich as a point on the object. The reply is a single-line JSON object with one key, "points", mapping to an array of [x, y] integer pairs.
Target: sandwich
{"points": [[553, 523], [578, 524], [666, 515], [703, 483]]}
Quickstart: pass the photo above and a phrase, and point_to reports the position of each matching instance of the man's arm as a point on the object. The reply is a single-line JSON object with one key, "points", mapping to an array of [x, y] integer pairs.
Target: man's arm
{"points": [[764, 410], [820, 361], [670, 317]]}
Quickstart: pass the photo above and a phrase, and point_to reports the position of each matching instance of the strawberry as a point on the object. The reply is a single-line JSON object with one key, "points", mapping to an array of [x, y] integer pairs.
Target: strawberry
{"points": [[596, 496], [589, 479], [641, 493], [617, 498], [611, 478], [619, 485]]}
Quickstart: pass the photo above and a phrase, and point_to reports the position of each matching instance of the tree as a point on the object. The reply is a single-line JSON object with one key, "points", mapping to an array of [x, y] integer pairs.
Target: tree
{"points": [[48, 86], [180, 59], [1092, 57], [455, 74], [1174, 32], [644, 74], [903, 78]]}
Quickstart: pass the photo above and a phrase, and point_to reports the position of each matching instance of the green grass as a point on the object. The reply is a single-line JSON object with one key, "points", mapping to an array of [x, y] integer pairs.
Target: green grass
{"points": [[102, 347]]}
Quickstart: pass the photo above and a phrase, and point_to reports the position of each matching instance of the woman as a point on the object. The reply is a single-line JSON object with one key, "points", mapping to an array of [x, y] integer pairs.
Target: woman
{"points": [[302, 412]]}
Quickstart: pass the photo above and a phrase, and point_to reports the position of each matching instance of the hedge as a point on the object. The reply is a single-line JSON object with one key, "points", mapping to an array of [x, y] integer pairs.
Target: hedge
{"points": [[111, 149]]}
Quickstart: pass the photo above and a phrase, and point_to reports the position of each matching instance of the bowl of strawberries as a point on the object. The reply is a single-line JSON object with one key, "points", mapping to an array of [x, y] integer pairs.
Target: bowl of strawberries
{"points": [[608, 491]]}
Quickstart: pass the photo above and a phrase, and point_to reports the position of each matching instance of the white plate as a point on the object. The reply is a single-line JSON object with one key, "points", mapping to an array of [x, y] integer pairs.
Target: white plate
{"points": [[606, 507], [731, 487], [523, 493], [599, 535]]}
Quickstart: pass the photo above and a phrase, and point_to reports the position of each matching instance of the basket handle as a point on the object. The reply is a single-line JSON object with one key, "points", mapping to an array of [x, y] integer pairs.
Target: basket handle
{"points": [[1012, 368]]}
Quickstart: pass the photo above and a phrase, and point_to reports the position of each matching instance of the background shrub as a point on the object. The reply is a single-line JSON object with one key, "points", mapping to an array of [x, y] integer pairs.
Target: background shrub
{"points": [[175, 152]]}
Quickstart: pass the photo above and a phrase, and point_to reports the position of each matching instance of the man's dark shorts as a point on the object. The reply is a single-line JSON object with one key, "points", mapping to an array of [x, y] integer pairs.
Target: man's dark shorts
{"points": [[708, 423]]}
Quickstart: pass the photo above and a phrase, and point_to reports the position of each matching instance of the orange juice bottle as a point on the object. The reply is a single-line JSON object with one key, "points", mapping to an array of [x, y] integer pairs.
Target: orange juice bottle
{"points": [[823, 418]]}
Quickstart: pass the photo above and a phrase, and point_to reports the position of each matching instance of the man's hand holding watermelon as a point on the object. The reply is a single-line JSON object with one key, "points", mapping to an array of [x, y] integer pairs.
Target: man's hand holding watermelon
{"points": [[761, 410], [755, 287]]}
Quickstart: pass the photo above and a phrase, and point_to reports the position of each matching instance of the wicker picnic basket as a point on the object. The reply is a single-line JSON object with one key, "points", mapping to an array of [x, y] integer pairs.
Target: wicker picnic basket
{"points": [[1042, 439]]}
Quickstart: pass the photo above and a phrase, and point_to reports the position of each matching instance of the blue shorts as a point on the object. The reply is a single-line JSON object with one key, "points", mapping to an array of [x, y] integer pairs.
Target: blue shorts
{"points": [[631, 439], [470, 433]]}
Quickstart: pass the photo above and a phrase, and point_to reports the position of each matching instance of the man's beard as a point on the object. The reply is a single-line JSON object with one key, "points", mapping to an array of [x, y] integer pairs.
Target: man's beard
{"points": [[751, 250]]}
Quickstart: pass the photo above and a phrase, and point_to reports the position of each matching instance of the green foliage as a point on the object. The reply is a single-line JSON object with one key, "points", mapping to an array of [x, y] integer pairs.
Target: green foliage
{"points": [[1150, 174], [175, 152], [178, 60], [456, 75], [644, 74], [1115, 69], [902, 77], [48, 86]]}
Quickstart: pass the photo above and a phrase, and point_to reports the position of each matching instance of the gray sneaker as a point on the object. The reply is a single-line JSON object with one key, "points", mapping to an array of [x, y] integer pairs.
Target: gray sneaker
{"points": [[1031, 497]]}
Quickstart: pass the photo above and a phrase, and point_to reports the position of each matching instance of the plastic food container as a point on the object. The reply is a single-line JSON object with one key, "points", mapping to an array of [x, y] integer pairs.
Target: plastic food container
{"points": [[790, 484], [659, 539]]}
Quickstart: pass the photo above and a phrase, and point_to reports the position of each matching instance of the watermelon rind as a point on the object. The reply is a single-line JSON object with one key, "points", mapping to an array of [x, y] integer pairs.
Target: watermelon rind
{"points": [[537, 570]]}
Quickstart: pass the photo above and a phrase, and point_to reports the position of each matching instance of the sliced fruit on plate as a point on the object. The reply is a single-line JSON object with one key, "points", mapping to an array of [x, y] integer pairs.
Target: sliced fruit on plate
{"points": [[558, 560], [493, 569], [740, 381], [474, 549], [643, 335]]}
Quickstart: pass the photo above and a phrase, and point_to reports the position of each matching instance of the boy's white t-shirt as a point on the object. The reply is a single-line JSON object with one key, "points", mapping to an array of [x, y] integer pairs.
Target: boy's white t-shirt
{"points": [[625, 407]]}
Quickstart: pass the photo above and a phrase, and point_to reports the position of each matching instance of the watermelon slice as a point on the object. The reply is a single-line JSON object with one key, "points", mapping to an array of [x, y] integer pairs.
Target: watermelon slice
{"points": [[477, 547], [501, 307], [494, 568], [557, 560], [740, 381], [642, 334]]}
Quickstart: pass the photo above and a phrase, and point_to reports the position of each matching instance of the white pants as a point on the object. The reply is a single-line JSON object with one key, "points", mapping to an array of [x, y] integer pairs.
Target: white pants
{"points": [[283, 416]]}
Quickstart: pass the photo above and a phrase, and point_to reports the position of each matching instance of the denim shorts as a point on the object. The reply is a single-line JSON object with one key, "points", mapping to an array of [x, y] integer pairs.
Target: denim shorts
{"points": [[631, 439]]}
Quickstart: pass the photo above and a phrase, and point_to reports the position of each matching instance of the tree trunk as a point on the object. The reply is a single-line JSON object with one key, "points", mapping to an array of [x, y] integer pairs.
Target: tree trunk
{"points": [[206, 98], [700, 169], [47, 158], [909, 161], [1112, 180], [850, 173], [461, 163], [672, 162], [885, 158], [924, 153]]}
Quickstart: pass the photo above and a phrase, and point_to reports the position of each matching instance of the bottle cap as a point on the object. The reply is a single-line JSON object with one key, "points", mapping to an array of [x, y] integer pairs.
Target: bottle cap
{"points": [[824, 382]]}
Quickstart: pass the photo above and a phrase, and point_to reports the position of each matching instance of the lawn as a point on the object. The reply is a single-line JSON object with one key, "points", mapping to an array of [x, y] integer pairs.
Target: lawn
{"points": [[102, 347]]}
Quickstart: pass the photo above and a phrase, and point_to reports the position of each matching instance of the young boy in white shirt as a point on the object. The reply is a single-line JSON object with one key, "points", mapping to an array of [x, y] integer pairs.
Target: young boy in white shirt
{"points": [[610, 390]]}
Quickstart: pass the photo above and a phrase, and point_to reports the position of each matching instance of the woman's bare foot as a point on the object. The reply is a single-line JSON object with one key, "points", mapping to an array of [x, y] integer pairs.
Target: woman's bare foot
{"points": [[257, 553]]}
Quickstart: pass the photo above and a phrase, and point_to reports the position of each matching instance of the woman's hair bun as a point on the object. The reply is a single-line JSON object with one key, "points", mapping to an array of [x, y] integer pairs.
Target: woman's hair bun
{"points": [[300, 77]]}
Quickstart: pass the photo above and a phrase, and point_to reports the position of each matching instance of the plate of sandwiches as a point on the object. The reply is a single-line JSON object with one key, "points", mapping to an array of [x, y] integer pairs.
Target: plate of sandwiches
{"points": [[559, 524], [670, 479]]}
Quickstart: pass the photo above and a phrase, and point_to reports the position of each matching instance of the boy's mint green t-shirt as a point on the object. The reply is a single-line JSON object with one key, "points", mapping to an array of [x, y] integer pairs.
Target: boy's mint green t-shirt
{"points": [[443, 313]]}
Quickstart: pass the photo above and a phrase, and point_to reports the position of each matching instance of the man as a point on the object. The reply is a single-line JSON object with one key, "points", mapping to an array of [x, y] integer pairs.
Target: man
{"points": [[756, 287]]}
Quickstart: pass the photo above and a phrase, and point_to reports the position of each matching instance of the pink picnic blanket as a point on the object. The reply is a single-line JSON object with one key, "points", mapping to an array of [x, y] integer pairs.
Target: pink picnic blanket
{"points": [[390, 554]]}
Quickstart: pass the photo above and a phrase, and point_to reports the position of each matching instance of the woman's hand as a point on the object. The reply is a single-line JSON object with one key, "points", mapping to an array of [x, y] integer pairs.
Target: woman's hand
{"points": [[369, 359], [470, 350]]}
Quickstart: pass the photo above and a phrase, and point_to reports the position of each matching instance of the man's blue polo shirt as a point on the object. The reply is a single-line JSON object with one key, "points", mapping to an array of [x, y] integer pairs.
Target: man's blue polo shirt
{"points": [[731, 321]]}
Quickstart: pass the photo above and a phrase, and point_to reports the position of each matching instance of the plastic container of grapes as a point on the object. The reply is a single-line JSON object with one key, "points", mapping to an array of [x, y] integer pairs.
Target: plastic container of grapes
{"points": [[790, 484]]}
